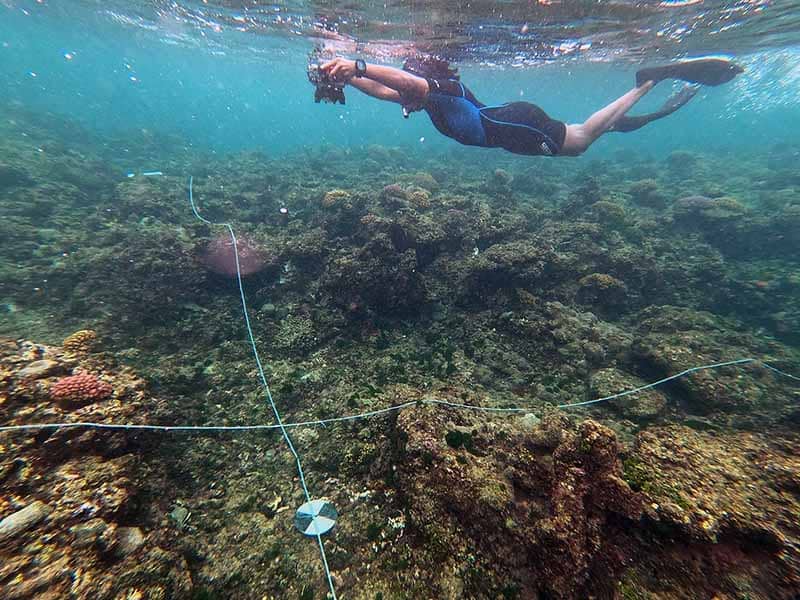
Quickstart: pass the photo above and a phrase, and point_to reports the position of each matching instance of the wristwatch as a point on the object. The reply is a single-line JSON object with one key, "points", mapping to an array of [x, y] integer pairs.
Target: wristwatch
{"points": [[361, 68]]}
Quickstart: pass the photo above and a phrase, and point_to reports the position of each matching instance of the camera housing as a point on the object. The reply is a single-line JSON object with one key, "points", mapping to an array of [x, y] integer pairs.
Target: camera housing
{"points": [[325, 89]]}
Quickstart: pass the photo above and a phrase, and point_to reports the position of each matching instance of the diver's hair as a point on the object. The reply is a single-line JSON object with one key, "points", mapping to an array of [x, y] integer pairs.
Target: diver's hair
{"points": [[430, 67]]}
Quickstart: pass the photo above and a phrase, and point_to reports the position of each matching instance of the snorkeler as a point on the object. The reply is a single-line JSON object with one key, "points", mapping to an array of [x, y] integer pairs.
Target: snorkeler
{"points": [[430, 84]]}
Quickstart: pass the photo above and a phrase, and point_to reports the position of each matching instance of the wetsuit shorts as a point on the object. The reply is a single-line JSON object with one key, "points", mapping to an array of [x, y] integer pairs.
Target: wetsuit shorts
{"points": [[519, 127]]}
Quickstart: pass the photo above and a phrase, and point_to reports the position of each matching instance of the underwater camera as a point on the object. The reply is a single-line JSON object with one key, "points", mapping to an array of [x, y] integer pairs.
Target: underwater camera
{"points": [[325, 88]]}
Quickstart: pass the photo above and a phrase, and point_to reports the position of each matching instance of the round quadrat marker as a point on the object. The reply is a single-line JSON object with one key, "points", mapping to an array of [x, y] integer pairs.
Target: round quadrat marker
{"points": [[315, 517]]}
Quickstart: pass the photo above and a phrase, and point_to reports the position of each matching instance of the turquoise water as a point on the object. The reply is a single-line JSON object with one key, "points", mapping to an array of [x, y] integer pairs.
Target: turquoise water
{"points": [[167, 70]]}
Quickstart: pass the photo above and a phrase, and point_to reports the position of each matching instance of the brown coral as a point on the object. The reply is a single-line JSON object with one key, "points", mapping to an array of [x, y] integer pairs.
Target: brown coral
{"points": [[393, 191], [335, 197], [646, 192], [602, 291], [425, 180], [419, 198], [692, 208], [77, 390], [610, 213], [542, 507], [80, 342], [394, 196]]}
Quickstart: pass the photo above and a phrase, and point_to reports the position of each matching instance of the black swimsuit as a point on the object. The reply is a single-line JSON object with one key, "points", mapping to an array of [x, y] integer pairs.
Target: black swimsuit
{"points": [[519, 127]]}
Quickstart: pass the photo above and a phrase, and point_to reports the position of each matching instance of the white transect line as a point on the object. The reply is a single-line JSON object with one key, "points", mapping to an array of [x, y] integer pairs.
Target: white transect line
{"points": [[383, 411], [262, 376], [771, 368], [398, 407]]}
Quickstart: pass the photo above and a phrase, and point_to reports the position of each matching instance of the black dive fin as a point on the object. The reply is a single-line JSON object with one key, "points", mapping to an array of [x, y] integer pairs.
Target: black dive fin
{"points": [[632, 123], [708, 71]]}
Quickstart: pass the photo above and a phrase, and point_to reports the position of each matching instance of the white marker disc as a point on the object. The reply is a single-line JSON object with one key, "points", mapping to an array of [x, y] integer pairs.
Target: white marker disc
{"points": [[315, 518]]}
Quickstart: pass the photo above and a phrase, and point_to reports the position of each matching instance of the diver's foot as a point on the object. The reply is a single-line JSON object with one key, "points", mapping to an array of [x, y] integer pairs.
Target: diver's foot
{"points": [[631, 123], [679, 98], [706, 71]]}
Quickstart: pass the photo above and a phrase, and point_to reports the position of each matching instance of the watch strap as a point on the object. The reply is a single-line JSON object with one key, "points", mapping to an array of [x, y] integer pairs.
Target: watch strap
{"points": [[361, 67]]}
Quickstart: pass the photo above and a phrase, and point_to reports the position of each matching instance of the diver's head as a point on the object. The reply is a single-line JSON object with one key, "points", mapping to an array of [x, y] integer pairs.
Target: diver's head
{"points": [[430, 67]]}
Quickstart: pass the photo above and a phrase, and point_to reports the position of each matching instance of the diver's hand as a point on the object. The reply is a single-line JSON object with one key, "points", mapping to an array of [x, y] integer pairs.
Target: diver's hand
{"points": [[339, 69]]}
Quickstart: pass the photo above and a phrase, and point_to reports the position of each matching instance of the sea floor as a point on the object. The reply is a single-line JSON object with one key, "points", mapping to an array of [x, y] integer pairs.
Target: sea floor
{"points": [[468, 278]]}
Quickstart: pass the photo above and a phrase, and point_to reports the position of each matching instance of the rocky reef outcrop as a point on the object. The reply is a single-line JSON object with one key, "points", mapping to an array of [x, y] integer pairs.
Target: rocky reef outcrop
{"points": [[72, 521]]}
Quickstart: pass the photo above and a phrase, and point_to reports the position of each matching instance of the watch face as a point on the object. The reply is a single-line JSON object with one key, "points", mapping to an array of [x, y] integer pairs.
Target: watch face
{"points": [[361, 66]]}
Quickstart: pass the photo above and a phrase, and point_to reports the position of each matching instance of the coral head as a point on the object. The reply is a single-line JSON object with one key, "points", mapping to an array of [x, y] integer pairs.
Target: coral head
{"points": [[219, 256], [77, 390]]}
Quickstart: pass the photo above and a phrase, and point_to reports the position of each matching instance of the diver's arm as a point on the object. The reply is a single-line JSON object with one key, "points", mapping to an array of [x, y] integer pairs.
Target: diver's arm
{"points": [[375, 89], [410, 87], [407, 85]]}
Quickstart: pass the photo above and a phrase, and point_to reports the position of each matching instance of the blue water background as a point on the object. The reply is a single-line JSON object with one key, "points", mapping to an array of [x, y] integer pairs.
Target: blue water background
{"points": [[114, 77]]}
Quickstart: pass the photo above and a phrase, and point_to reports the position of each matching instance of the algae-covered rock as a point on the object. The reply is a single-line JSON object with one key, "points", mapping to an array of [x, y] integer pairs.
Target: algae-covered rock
{"points": [[11, 176], [647, 192], [603, 292], [382, 275], [725, 497], [682, 163], [423, 180], [611, 214], [707, 210], [671, 340], [40, 368], [505, 503], [513, 264], [641, 406]]}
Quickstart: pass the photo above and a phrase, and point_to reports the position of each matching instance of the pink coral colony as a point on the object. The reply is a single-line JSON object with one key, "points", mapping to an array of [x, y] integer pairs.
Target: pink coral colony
{"points": [[84, 388], [219, 256]]}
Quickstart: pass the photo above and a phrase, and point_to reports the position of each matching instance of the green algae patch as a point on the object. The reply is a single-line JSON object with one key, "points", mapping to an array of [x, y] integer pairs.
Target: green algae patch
{"points": [[459, 439]]}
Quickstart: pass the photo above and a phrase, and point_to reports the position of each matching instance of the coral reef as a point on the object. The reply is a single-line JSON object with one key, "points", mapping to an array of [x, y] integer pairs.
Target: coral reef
{"points": [[335, 198], [220, 256], [419, 198], [544, 508], [80, 342], [518, 284], [646, 192], [72, 519], [723, 501], [80, 389], [602, 291]]}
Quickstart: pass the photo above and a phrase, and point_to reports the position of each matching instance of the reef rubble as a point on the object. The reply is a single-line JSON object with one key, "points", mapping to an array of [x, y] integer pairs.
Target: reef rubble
{"points": [[71, 520]]}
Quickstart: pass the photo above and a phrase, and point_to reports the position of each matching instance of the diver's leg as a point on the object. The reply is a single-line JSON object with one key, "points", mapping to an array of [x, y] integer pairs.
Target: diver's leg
{"points": [[628, 123], [581, 135]]}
